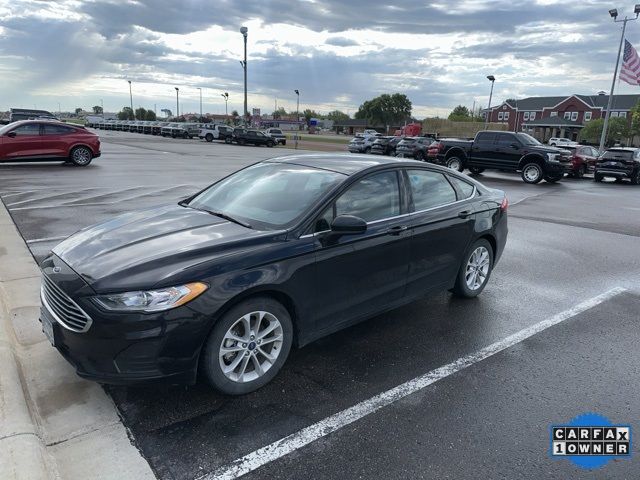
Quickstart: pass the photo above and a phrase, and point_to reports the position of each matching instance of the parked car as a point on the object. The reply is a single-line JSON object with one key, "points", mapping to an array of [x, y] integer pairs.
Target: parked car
{"points": [[414, 147], [361, 144], [619, 163], [31, 140], [211, 132], [277, 135], [224, 283], [506, 151], [558, 142], [370, 131], [252, 137], [385, 145], [583, 159]]}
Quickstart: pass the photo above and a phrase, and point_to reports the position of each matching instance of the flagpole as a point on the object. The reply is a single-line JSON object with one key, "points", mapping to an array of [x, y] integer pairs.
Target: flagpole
{"points": [[614, 15]]}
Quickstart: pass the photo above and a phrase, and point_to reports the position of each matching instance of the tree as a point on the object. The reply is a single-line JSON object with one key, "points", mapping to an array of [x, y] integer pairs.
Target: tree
{"points": [[460, 114], [141, 113], [125, 114], [337, 116], [97, 109], [78, 110], [150, 115], [635, 120], [168, 113], [618, 131], [385, 109], [279, 113], [309, 114]]}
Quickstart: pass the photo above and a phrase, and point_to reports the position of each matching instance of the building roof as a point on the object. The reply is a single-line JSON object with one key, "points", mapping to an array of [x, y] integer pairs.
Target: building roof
{"points": [[620, 102], [552, 122]]}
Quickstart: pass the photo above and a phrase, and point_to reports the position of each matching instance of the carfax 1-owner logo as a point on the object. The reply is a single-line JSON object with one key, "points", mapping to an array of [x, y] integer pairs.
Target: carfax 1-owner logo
{"points": [[590, 441]]}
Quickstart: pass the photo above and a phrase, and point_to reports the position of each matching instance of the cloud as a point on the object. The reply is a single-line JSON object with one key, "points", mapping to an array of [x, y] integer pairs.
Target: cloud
{"points": [[341, 42]]}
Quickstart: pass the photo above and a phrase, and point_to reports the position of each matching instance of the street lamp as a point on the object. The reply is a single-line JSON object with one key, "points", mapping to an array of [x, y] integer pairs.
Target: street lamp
{"points": [[130, 96], [177, 102], [492, 79], [244, 31], [297, 113], [225, 95], [614, 14], [200, 102], [102, 106]]}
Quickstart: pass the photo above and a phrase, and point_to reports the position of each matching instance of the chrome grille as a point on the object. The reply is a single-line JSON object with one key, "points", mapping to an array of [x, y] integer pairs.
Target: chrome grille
{"points": [[64, 310]]}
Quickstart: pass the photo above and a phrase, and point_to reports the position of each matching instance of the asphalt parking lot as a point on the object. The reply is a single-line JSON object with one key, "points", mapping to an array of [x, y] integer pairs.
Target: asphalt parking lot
{"points": [[568, 244]]}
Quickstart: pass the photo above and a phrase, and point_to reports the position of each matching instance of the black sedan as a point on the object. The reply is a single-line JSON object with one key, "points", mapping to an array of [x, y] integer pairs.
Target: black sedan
{"points": [[280, 253]]}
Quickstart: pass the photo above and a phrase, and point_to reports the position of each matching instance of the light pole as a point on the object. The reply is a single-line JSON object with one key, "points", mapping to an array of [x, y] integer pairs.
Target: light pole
{"points": [[297, 113], [130, 96], [225, 95], [492, 79], [244, 31], [200, 103], [177, 102], [614, 14], [102, 106]]}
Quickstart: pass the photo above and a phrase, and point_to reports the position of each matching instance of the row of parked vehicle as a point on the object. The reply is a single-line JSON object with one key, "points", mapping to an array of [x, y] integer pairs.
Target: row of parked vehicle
{"points": [[509, 152], [166, 129]]}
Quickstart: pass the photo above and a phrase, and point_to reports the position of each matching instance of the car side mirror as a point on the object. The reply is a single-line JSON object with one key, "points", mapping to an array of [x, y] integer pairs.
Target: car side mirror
{"points": [[348, 225], [515, 146], [11, 134]]}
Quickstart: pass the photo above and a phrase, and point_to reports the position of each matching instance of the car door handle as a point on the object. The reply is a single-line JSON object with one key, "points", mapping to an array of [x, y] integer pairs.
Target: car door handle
{"points": [[464, 213], [397, 230]]}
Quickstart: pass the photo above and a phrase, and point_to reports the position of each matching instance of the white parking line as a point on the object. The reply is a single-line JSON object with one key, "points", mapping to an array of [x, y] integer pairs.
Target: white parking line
{"points": [[297, 440]]}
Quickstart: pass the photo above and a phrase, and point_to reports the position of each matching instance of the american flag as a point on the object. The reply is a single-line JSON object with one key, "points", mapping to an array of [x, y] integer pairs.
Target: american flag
{"points": [[630, 72]]}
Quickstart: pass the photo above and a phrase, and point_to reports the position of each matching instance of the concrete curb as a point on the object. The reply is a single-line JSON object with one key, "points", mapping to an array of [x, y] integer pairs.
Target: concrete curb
{"points": [[52, 423]]}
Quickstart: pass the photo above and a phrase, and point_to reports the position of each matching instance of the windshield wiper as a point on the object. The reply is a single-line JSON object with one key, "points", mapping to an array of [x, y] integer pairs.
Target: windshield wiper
{"points": [[217, 214]]}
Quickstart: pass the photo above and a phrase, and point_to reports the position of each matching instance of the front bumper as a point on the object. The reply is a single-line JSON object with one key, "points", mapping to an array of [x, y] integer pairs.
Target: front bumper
{"points": [[125, 348], [356, 148]]}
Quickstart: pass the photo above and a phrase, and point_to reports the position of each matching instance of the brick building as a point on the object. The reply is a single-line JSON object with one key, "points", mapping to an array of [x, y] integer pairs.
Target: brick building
{"points": [[546, 117]]}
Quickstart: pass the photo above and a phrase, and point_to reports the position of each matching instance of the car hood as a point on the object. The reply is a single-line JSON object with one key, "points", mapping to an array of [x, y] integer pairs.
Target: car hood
{"points": [[147, 248], [545, 149]]}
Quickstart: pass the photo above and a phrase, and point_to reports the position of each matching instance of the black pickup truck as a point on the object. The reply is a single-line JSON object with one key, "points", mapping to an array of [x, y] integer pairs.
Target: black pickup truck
{"points": [[244, 136], [508, 151]]}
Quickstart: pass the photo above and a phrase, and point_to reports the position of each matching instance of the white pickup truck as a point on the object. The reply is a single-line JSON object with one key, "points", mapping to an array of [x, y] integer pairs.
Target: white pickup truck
{"points": [[212, 132]]}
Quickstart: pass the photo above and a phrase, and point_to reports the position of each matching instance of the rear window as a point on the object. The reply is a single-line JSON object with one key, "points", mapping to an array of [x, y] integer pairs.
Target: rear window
{"points": [[486, 137], [465, 188], [619, 154]]}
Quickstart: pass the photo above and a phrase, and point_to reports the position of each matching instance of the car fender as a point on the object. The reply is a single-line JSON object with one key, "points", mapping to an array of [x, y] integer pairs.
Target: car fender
{"points": [[528, 157], [80, 144]]}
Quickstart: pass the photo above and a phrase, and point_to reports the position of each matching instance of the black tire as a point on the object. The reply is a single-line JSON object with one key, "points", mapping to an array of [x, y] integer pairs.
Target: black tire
{"points": [[241, 141], [635, 178], [419, 156], [367, 150], [556, 177], [455, 162], [269, 144], [227, 140], [186, 135], [597, 177], [476, 170], [210, 360], [81, 156], [208, 137], [532, 173], [461, 287]]}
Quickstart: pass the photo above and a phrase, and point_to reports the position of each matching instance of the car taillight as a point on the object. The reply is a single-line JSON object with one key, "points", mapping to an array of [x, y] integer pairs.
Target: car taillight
{"points": [[505, 204]]}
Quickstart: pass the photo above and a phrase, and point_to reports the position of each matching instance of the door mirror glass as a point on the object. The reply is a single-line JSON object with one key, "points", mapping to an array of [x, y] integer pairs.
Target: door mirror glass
{"points": [[348, 225]]}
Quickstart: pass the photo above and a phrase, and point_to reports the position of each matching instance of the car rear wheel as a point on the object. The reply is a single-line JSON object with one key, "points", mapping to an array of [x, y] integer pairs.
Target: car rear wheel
{"points": [[248, 346], [367, 150], [476, 170], [419, 156], [241, 141], [532, 173], [227, 140], [475, 270], [635, 178], [208, 137], [81, 156], [455, 163], [597, 177], [269, 143]]}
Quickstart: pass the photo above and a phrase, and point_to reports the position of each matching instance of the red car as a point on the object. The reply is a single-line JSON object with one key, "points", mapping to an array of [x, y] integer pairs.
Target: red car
{"points": [[41, 140], [583, 159]]}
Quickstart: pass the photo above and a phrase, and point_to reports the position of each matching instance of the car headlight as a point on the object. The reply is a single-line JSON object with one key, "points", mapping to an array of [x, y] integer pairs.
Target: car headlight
{"points": [[553, 157], [151, 300]]}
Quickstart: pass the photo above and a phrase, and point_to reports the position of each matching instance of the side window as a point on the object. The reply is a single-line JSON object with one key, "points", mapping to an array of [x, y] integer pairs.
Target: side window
{"points": [[375, 197], [485, 137], [465, 188], [430, 189], [29, 129], [505, 140], [57, 130]]}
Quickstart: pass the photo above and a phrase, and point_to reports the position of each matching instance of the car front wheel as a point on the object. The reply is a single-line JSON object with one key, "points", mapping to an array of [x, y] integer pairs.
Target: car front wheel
{"points": [[248, 346], [455, 163], [227, 140], [635, 178], [81, 156], [475, 270], [532, 173], [208, 137]]}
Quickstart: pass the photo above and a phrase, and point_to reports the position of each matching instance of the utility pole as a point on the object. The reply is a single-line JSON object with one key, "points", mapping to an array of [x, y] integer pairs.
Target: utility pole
{"points": [[177, 102], [130, 95], [244, 31], [297, 115], [492, 79], [614, 14], [200, 103]]}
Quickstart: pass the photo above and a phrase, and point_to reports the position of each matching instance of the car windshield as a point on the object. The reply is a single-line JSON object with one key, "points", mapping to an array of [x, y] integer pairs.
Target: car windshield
{"points": [[527, 139], [619, 154], [267, 195], [6, 128]]}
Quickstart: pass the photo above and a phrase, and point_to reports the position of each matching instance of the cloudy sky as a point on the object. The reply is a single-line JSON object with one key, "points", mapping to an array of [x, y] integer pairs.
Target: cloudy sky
{"points": [[338, 53]]}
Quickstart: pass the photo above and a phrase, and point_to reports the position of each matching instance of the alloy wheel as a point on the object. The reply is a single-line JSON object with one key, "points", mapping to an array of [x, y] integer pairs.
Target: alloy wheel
{"points": [[454, 163], [81, 156], [477, 268], [532, 173], [250, 347]]}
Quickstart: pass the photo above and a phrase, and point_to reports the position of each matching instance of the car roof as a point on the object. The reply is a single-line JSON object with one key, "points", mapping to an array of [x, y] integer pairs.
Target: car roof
{"points": [[621, 149], [347, 164]]}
